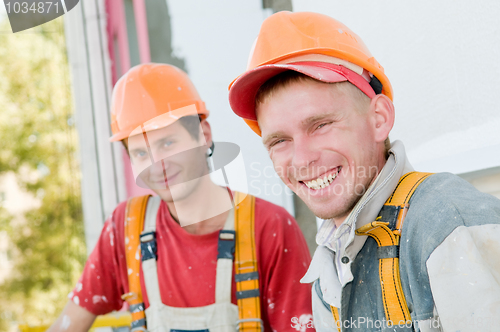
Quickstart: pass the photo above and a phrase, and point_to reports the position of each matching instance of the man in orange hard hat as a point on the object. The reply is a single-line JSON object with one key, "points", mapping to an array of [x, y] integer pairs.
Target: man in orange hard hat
{"points": [[399, 250], [171, 257]]}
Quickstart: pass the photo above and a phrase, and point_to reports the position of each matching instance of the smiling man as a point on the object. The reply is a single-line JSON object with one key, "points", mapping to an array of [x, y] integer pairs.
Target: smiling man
{"points": [[399, 250], [186, 259], [330, 121]]}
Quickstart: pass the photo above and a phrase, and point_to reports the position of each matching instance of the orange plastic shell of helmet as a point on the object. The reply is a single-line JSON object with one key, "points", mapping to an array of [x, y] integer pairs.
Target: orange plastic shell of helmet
{"points": [[287, 35], [147, 91]]}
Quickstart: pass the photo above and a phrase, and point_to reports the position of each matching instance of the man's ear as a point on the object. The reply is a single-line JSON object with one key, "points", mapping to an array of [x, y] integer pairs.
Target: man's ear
{"points": [[206, 132], [382, 110]]}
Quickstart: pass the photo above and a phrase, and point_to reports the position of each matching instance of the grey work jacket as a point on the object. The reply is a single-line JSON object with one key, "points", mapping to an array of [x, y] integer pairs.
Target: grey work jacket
{"points": [[449, 266]]}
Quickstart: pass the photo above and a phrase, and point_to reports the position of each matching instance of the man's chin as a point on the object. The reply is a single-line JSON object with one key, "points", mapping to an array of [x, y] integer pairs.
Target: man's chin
{"points": [[179, 192], [326, 212], [333, 217], [324, 215], [164, 194], [163, 191]]}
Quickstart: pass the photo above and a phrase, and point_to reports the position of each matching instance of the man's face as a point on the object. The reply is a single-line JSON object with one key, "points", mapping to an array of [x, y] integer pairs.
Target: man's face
{"points": [[176, 163], [322, 144]]}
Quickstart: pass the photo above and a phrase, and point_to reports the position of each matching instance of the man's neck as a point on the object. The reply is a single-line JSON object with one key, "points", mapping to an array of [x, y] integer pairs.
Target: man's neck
{"points": [[340, 220], [204, 210]]}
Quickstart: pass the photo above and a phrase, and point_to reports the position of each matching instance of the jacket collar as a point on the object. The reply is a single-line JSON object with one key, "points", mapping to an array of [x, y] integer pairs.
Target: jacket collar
{"points": [[364, 212]]}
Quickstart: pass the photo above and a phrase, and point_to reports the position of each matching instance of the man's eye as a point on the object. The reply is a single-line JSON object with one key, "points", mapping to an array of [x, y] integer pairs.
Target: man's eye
{"points": [[322, 125], [276, 142], [140, 154], [166, 144]]}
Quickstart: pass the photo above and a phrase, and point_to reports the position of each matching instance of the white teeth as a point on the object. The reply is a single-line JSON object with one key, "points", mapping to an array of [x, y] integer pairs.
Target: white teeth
{"points": [[321, 182]]}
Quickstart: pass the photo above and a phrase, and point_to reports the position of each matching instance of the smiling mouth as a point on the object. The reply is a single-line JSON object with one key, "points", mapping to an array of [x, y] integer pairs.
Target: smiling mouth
{"points": [[324, 181], [166, 180]]}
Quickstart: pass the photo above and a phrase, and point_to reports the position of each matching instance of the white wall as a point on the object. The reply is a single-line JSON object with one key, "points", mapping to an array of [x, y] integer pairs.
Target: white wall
{"points": [[442, 58], [214, 38], [100, 162]]}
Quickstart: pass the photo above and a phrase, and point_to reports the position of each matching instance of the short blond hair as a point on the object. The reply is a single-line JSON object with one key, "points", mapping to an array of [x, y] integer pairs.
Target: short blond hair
{"points": [[280, 81]]}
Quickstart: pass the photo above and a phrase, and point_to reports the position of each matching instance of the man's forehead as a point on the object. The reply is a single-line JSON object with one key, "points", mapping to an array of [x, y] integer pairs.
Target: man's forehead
{"points": [[155, 135], [329, 96], [318, 117], [294, 110]]}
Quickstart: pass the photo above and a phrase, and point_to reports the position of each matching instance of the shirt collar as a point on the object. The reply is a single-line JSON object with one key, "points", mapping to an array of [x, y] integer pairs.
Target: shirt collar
{"points": [[364, 212]]}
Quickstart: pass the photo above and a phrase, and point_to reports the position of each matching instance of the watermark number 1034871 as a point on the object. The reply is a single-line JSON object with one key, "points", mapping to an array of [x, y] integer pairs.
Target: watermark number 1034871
{"points": [[25, 7], [26, 14]]}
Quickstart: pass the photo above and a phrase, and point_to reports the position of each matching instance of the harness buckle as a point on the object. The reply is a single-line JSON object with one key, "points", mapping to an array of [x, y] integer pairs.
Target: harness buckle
{"points": [[148, 245], [225, 247], [129, 296], [238, 322], [400, 219]]}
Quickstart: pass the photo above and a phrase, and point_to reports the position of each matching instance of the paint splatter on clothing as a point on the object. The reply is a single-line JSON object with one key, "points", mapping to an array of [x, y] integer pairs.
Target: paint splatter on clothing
{"points": [[187, 264]]}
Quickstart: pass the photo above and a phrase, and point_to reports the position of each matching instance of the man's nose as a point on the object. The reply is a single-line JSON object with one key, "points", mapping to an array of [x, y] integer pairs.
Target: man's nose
{"points": [[305, 153], [160, 167]]}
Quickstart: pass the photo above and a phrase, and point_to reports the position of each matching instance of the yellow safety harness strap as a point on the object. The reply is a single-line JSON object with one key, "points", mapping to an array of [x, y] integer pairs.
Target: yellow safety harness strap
{"points": [[245, 264], [336, 317], [387, 237], [134, 223]]}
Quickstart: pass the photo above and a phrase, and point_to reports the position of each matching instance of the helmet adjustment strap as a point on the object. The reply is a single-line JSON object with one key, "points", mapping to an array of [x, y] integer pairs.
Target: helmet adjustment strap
{"points": [[376, 85]]}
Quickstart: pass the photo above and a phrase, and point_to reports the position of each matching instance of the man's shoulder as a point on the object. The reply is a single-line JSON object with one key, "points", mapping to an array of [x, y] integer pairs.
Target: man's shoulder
{"points": [[445, 196], [268, 210], [118, 215], [120, 210], [116, 220], [442, 203], [445, 184], [274, 219]]}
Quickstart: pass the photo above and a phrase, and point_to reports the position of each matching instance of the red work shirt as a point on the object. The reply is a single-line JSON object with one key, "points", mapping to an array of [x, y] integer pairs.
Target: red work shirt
{"points": [[187, 267]]}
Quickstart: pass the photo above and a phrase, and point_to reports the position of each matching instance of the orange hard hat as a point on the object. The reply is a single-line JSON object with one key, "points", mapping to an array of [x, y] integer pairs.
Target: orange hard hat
{"points": [[304, 42], [148, 91]]}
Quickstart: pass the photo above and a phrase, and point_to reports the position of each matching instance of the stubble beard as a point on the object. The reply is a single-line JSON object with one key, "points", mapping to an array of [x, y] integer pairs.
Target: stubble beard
{"points": [[341, 211]]}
